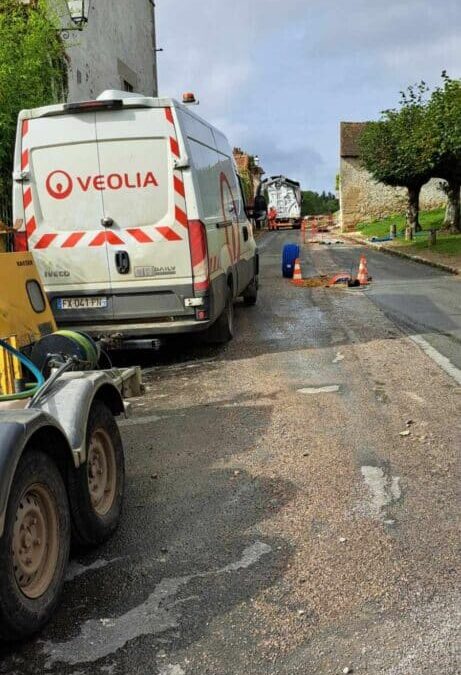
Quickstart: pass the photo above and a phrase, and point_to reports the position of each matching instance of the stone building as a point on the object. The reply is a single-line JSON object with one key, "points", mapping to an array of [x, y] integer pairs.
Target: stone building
{"points": [[115, 50], [250, 170], [361, 197]]}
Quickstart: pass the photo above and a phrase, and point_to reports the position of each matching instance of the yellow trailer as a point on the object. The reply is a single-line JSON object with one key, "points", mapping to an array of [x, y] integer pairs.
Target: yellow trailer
{"points": [[25, 314]]}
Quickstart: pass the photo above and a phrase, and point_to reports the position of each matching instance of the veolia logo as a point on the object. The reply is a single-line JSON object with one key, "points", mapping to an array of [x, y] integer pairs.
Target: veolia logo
{"points": [[59, 185]]}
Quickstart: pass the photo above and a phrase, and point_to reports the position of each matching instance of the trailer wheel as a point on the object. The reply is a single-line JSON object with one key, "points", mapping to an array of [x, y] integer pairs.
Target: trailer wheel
{"points": [[34, 549], [96, 488], [250, 295]]}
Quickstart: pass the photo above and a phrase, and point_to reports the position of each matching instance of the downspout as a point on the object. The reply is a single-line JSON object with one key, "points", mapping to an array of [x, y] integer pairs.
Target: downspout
{"points": [[154, 50]]}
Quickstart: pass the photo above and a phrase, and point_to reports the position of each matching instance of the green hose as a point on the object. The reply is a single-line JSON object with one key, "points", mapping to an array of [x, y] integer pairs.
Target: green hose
{"points": [[27, 363], [85, 342], [22, 396], [87, 346]]}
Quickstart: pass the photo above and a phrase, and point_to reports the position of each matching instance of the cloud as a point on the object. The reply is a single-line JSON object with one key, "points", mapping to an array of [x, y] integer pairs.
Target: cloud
{"points": [[278, 77]]}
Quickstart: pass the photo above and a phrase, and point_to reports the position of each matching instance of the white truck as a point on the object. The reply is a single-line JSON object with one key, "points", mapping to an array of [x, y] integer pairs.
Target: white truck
{"points": [[284, 195], [135, 216]]}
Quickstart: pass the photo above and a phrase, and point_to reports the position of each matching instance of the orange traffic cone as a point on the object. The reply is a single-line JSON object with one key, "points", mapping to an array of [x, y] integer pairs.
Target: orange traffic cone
{"points": [[363, 272], [297, 274]]}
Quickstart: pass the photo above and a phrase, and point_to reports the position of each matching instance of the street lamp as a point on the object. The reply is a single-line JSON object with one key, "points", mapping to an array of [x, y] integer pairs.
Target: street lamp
{"points": [[79, 10]]}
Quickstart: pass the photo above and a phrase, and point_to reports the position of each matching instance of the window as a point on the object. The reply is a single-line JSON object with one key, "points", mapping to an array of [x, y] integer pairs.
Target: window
{"points": [[35, 296], [129, 80]]}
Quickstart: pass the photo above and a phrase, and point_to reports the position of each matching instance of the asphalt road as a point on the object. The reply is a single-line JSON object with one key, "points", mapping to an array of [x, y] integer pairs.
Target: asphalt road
{"points": [[422, 300], [277, 521]]}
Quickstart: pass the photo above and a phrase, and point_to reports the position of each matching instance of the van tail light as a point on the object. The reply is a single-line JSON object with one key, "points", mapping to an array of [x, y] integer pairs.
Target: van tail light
{"points": [[20, 243], [199, 255]]}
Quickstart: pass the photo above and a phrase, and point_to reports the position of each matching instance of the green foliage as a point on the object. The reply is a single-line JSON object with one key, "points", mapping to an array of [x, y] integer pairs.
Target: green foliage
{"points": [[444, 121], [32, 72], [318, 204], [246, 175], [419, 141], [398, 149], [247, 185]]}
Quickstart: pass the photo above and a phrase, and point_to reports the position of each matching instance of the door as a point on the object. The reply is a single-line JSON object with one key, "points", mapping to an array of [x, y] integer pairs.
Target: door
{"points": [[64, 210], [144, 207]]}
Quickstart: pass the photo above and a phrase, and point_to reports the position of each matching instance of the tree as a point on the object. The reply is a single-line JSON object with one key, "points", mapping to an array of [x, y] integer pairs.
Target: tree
{"points": [[32, 73], [318, 204], [398, 149], [444, 118]]}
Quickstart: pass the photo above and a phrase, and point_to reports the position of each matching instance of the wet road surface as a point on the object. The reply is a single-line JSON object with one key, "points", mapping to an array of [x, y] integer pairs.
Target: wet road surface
{"points": [[422, 300], [276, 519]]}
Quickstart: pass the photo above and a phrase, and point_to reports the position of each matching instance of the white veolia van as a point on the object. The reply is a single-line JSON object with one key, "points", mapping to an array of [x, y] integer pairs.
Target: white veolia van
{"points": [[134, 212]]}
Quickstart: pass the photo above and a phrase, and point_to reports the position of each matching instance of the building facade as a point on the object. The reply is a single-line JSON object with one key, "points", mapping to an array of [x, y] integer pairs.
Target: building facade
{"points": [[250, 171], [361, 197], [115, 50]]}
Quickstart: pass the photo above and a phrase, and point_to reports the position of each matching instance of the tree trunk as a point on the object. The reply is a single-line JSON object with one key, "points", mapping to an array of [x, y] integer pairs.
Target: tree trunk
{"points": [[413, 208], [453, 213]]}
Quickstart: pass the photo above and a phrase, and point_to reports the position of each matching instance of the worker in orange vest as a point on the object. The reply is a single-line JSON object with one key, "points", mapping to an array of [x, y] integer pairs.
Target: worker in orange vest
{"points": [[272, 216]]}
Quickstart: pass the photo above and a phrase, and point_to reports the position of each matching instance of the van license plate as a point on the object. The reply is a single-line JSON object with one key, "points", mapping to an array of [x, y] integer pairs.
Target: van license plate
{"points": [[89, 302]]}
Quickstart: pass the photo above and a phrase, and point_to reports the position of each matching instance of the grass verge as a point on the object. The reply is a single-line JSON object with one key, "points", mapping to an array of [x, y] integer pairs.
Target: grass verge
{"points": [[381, 228], [448, 246]]}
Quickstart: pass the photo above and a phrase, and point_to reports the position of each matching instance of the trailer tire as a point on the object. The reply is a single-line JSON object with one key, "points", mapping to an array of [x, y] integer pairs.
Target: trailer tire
{"points": [[96, 488], [250, 294], [34, 548], [222, 331]]}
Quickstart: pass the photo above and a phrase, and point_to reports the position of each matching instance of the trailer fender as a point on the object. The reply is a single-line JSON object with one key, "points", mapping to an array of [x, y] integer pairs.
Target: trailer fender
{"points": [[18, 430], [70, 400]]}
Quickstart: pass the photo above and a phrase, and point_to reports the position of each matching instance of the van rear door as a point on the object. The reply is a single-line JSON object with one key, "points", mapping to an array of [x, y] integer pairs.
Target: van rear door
{"points": [[64, 210], [143, 197]]}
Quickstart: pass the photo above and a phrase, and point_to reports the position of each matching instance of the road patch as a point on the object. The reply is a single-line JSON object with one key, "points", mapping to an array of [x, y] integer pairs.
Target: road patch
{"points": [[384, 490], [328, 389], [157, 614]]}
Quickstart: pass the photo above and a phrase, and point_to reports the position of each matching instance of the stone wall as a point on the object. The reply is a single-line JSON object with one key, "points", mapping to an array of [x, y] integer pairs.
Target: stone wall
{"points": [[362, 198], [116, 50]]}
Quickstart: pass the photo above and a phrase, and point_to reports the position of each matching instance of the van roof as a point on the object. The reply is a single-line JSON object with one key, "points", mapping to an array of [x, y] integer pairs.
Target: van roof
{"points": [[280, 179], [111, 99]]}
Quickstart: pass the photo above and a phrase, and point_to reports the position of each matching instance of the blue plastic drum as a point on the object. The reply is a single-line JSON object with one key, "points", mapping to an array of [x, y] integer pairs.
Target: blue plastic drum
{"points": [[289, 255]]}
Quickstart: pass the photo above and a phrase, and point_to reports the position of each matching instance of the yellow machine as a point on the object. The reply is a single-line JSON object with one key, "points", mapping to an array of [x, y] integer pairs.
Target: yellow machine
{"points": [[25, 314]]}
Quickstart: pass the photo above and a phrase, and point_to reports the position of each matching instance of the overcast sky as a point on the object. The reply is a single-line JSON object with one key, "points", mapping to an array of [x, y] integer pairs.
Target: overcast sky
{"points": [[277, 76]]}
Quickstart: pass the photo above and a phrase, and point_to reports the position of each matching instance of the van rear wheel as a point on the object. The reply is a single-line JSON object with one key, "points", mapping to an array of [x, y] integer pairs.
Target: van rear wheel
{"points": [[250, 294], [222, 330]]}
